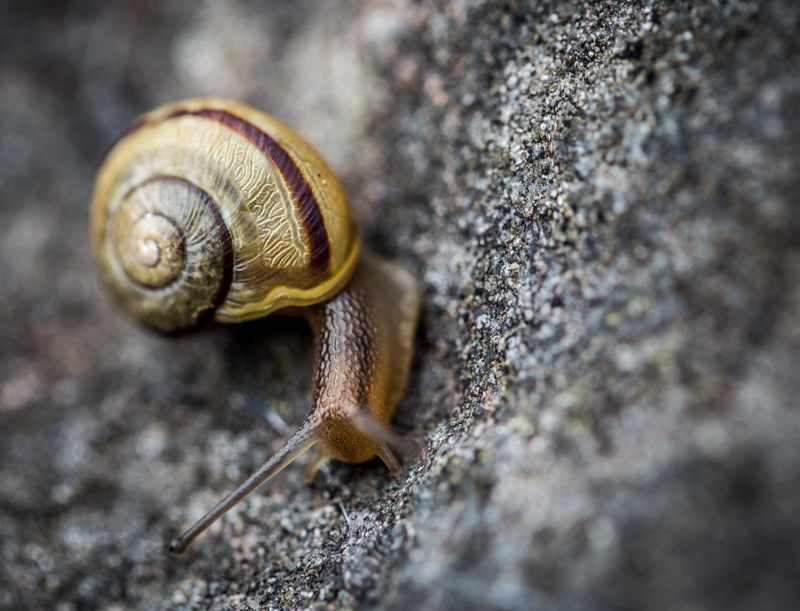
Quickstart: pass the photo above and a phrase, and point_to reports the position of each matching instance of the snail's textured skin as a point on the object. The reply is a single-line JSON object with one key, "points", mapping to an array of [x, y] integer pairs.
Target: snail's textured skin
{"points": [[366, 329], [209, 209]]}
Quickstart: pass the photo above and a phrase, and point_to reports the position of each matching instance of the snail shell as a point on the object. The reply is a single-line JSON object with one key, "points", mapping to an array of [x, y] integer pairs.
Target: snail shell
{"points": [[208, 209]]}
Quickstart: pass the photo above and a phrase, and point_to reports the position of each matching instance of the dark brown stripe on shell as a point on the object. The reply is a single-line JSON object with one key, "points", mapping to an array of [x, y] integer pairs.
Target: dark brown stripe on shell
{"points": [[227, 251], [304, 198]]}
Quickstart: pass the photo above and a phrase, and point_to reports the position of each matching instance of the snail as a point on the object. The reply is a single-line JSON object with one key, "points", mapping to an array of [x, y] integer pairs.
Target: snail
{"points": [[208, 210]]}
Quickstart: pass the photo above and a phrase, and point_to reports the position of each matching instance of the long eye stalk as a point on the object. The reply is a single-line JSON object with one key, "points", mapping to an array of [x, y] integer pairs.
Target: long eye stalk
{"points": [[301, 441]]}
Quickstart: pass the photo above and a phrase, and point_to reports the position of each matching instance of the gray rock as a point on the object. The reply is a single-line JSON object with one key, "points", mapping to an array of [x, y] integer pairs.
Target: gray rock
{"points": [[601, 200]]}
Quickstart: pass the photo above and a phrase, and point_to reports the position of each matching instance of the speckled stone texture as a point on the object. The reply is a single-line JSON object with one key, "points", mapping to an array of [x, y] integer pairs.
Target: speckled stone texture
{"points": [[602, 200]]}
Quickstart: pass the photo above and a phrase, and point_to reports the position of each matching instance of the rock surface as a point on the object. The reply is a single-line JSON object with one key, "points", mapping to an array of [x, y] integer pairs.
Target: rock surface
{"points": [[603, 203]]}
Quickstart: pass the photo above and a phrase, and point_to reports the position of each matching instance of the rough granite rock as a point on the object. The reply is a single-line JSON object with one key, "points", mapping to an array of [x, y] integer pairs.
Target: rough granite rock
{"points": [[602, 200]]}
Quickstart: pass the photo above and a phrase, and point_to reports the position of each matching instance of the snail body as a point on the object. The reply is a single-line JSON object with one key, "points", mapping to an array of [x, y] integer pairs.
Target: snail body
{"points": [[209, 210]]}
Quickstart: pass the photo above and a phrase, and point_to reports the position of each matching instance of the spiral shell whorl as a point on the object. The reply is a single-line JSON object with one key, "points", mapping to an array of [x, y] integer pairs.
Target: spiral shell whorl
{"points": [[152, 251], [168, 253]]}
